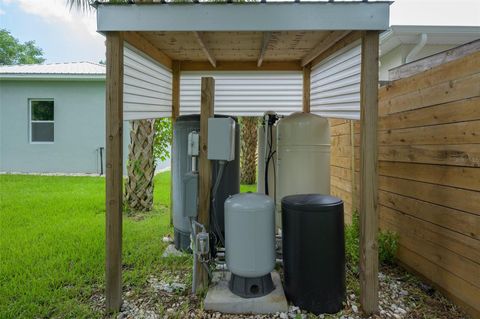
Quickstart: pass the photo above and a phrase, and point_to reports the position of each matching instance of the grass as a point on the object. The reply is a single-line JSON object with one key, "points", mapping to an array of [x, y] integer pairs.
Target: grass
{"points": [[52, 244]]}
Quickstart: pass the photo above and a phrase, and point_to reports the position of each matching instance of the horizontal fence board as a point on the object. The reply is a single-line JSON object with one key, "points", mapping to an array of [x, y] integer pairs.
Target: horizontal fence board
{"points": [[449, 71], [462, 292], [343, 129], [345, 174], [434, 251], [429, 174], [346, 185], [335, 122], [458, 155], [342, 162], [451, 133], [340, 140], [458, 221], [442, 195], [445, 92], [457, 111], [460, 177], [450, 240]]}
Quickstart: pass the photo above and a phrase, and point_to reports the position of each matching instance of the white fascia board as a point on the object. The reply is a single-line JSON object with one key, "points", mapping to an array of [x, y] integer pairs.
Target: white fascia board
{"points": [[244, 16], [66, 77]]}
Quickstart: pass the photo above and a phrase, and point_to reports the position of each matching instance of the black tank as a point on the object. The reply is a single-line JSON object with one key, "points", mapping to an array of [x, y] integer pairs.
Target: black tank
{"points": [[314, 252]]}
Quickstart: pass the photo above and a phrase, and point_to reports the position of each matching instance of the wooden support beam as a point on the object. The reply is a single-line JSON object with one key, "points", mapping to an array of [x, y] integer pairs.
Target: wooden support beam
{"points": [[265, 41], [175, 89], [324, 44], [203, 44], [241, 66], [306, 89], [114, 171], [204, 168], [136, 40], [369, 173], [175, 114], [342, 43]]}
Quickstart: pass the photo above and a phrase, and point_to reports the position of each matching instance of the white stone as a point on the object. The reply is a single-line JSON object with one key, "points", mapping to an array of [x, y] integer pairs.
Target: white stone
{"points": [[354, 308]]}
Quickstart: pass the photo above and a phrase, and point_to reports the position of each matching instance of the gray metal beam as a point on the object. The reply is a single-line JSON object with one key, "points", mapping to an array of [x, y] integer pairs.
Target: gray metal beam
{"points": [[276, 16]]}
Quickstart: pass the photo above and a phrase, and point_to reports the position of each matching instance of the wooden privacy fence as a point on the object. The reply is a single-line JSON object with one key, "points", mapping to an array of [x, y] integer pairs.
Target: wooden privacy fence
{"points": [[429, 174]]}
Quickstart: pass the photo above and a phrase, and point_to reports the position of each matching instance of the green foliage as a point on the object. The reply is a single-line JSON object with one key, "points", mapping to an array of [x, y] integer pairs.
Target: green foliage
{"points": [[388, 246], [12, 51], [352, 240], [387, 243], [163, 138]]}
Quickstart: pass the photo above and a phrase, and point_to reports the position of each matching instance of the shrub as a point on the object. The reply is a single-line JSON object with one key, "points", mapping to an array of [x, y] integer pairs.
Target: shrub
{"points": [[387, 243]]}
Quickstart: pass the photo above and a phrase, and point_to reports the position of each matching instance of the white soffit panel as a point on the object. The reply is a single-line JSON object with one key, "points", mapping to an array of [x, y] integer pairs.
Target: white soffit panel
{"points": [[147, 87], [335, 85]]}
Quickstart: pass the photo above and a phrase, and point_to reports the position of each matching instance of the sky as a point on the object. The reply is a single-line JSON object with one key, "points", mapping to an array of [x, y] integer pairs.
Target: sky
{"points": [[68, 35]]}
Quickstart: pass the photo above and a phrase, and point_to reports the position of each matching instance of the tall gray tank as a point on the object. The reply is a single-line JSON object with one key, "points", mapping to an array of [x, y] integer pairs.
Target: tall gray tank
{"points": [[182, 165]]}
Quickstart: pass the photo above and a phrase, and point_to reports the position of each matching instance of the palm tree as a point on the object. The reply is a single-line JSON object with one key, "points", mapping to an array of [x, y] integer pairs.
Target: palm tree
{"points": [[248, 150], [140, 166], [141, 161]]}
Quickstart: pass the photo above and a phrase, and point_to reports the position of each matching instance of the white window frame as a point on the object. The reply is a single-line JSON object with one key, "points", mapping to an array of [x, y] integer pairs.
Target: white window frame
{"points": [[30, 120]]}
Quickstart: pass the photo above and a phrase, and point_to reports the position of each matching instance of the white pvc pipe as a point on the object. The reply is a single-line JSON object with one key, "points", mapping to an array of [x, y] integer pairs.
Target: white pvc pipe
{"points": [[417, 48]]}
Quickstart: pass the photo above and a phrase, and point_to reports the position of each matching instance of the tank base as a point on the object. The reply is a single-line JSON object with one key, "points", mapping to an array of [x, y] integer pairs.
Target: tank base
{"points": [[251, 287], [181, 240]]}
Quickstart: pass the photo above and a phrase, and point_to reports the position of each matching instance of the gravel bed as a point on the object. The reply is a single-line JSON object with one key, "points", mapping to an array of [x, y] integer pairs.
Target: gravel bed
{"points": [[402, 296]]}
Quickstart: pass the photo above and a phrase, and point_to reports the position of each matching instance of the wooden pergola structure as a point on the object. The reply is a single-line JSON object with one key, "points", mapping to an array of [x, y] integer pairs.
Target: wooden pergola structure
{"points": [[248, 36]]}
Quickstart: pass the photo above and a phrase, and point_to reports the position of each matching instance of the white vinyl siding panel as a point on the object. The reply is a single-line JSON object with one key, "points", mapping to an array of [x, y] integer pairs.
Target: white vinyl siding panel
{"points": [[147, 87], [335, 85], [244, 93]]}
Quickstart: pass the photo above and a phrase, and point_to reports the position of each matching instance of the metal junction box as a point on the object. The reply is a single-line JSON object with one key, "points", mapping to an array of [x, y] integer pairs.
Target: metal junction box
{"points": [[221, 139]]}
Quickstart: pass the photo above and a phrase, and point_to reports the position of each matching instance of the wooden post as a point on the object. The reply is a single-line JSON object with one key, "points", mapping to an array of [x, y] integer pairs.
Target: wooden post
{"points": [[352, 166], [368, 173], [175, 113], [114, 171], [205, 168], [306, 89]]}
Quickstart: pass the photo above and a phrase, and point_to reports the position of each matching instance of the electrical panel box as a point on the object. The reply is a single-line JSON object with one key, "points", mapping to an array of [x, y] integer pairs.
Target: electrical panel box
{"points": [[190, 184], [221, 139]]}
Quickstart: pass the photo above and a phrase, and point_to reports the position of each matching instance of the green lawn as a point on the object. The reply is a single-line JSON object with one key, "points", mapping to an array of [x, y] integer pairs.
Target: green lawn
{"points": [[52, 244]]}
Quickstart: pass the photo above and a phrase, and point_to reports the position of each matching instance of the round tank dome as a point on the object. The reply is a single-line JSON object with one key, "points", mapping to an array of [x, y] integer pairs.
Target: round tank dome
{"points": [[250, 234]]}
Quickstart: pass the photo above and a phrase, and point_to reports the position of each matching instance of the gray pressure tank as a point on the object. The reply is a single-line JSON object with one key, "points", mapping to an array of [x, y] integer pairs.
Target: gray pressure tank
{"points": [[181, 168], [250, 243]]}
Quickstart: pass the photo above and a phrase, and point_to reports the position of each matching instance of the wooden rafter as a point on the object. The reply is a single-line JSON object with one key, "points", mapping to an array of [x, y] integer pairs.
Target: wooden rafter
{"points": [[265, 41], [324, 44], [241, 66], [201, 40], [140, 43]]}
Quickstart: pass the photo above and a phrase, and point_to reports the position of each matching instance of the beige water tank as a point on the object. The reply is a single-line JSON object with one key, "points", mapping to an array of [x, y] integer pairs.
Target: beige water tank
{"points": [[303, 157]]}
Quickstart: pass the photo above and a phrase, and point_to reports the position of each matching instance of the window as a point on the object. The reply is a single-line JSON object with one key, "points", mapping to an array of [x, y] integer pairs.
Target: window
{"points": [[41, 121]]}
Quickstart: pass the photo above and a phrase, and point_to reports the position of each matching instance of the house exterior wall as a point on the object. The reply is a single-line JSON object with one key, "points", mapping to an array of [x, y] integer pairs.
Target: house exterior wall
{"points": [[397, 56], [79, 129]]}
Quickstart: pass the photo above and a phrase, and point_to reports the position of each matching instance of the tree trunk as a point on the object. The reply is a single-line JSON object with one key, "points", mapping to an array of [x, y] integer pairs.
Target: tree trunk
{"points": [[248, 152], [140, 167]]}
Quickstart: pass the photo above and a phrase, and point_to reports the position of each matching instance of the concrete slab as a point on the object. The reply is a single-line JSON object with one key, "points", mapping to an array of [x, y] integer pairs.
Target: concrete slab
{"points": [[220, 298]]}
